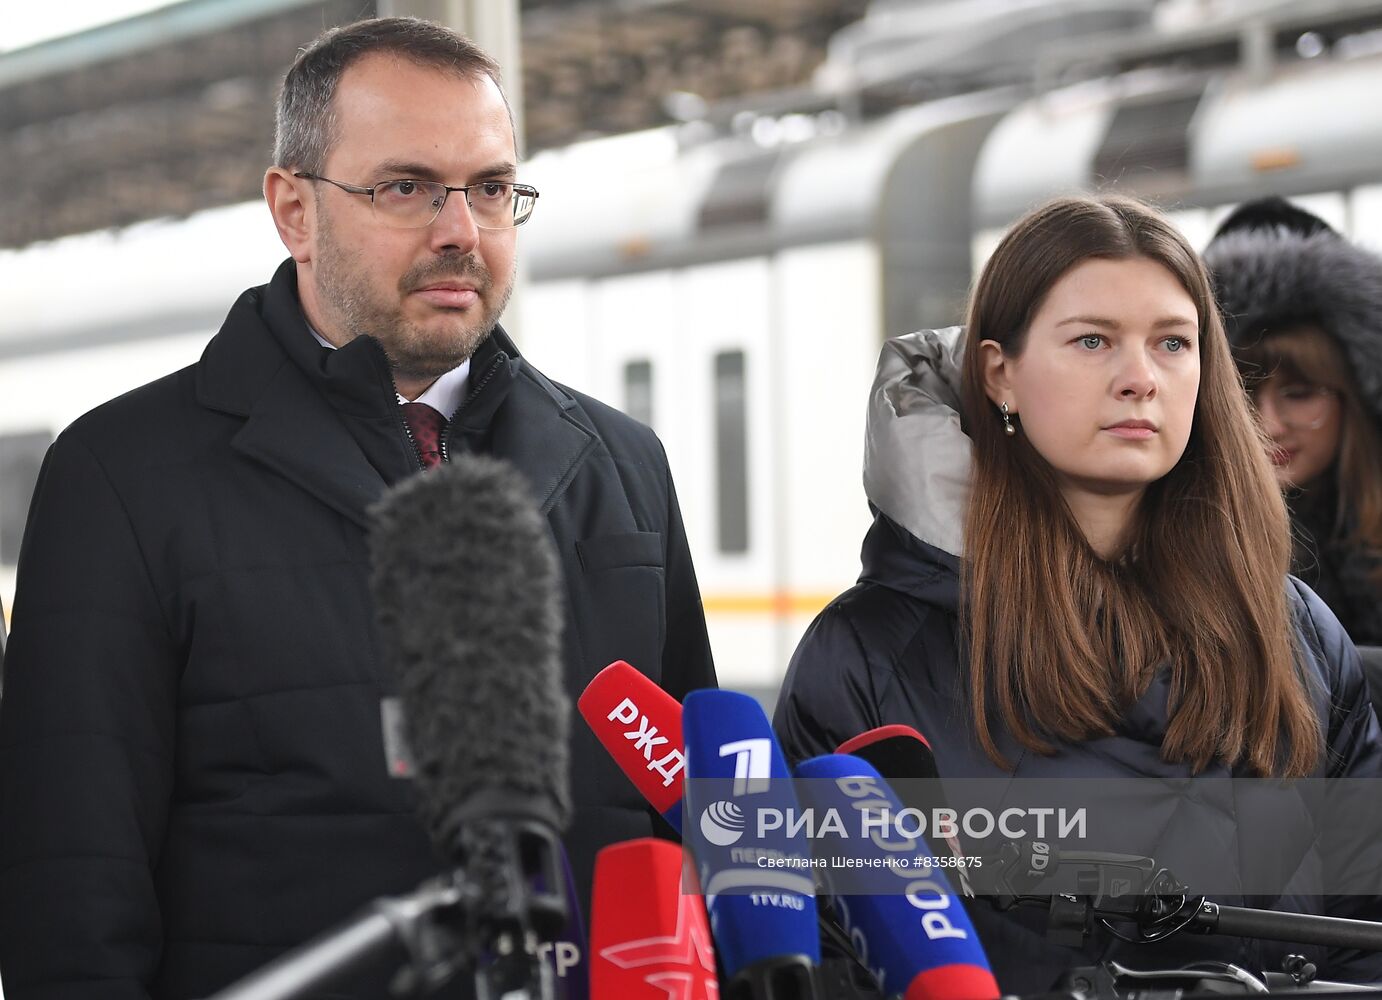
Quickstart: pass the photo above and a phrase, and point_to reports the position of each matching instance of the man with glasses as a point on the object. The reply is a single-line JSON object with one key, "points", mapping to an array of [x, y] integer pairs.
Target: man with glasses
{"points": [[192, 772]]}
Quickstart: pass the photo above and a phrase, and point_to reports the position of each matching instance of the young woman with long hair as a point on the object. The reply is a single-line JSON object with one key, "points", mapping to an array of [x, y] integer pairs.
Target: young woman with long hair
{"points": [[1078, 565], [1303, 311]]}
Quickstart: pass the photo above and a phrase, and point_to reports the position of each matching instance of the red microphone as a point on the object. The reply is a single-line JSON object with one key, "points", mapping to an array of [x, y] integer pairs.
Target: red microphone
{"points": [[649, 940], [640, 725]]}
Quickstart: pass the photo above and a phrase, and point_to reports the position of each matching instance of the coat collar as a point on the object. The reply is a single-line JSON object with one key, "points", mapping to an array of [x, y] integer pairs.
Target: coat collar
{"points": [[328, 421]]}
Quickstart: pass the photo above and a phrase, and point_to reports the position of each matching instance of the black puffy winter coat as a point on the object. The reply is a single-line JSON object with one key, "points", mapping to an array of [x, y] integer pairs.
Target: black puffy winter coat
{"points": [[192, 774]]}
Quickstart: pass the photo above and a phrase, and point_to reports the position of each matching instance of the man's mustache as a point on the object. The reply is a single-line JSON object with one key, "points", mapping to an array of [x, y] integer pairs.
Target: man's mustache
{"points": [[454, 267]]}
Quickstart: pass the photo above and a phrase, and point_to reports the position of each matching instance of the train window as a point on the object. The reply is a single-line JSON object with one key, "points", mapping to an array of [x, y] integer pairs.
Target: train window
{"points": [[731, 452], [638, 391], [21, 455]]}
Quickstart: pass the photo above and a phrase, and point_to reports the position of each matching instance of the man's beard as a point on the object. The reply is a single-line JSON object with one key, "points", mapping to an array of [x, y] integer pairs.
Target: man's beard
{"points": [[414, 352]]}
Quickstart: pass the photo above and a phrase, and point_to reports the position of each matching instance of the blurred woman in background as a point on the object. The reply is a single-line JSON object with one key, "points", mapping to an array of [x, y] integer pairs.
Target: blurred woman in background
{"points": [[1303, 310], [1078, 568]]}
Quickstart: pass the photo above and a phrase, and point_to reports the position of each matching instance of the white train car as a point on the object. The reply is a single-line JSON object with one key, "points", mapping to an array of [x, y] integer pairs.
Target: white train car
{"points": [[733, 294]]}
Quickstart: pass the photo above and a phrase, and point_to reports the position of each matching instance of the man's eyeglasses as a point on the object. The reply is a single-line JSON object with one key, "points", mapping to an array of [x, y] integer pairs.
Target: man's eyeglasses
{"points": [[413, 204], [1299, 405]]}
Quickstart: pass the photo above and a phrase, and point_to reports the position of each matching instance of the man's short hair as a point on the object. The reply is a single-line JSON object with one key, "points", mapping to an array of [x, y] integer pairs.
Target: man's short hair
{"points": [[306, 124]]}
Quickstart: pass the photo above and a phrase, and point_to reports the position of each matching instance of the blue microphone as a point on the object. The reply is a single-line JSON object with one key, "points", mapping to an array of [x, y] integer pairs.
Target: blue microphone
{"points": [[754, 867], [911, 931]]}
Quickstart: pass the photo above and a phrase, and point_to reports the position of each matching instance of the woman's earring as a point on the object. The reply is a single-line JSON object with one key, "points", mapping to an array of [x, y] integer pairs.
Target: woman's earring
{"points": [[1008, 427]]}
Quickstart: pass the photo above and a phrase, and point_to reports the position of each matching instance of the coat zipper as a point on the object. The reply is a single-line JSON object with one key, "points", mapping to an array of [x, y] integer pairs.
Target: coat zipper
{"points": [[479, 386], [407, 431]]}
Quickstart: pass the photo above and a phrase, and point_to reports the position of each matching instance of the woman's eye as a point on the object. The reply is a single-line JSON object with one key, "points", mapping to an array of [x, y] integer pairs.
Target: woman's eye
{"points": [[1174, 344], [1092, 341]]}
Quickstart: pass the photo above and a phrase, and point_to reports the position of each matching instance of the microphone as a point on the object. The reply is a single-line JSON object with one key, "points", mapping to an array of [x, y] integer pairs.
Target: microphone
{"points": [[649, 939], [466, 588], [903, 756], [763, 916], [640, 725], [897, 745], [566, 953], [631, 715], [465, 584], [918, 940]]}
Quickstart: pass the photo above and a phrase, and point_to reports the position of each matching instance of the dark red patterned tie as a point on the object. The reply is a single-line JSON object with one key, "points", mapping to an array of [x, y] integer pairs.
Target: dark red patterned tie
{"points": [[426, 425]]}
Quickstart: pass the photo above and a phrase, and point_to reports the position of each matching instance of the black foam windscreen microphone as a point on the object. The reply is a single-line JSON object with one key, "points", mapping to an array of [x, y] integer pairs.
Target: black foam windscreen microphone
{"points": [[465, 585]]}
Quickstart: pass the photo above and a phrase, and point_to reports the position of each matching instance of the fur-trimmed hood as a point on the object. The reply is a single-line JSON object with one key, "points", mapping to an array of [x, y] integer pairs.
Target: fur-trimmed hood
{"points": [[1273, 277]]}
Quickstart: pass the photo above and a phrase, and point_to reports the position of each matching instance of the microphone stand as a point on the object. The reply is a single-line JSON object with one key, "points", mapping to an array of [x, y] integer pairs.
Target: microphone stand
{"points": [[1126, 888], [414, 931], [1299, 928], [492, 925]]}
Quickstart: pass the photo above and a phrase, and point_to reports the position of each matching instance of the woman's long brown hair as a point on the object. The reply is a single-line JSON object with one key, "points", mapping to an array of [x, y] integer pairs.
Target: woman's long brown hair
{"points": [[1060, 641]]}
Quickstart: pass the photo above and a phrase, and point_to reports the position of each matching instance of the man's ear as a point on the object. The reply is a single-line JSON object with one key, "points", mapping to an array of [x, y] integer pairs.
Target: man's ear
{"points": [[997, 369], [293, 210]]}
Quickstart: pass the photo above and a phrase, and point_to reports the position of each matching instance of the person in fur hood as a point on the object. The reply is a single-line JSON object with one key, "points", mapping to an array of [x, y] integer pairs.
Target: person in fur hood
{"points": [[1303, 310]]}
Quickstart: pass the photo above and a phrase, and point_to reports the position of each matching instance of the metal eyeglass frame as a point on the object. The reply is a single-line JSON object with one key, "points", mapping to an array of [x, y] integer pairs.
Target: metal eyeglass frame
{"points": [[526, 190]]}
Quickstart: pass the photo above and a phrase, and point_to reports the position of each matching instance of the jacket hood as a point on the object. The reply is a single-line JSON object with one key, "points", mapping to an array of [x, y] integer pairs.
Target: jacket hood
{"points": [[916, 457], [916, 467], [1269, 278]]}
